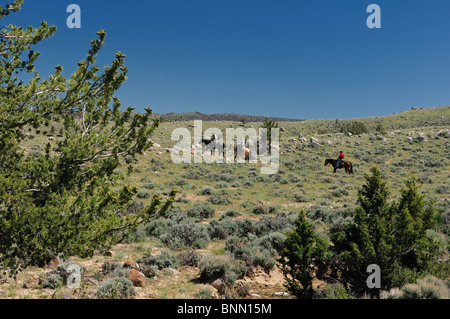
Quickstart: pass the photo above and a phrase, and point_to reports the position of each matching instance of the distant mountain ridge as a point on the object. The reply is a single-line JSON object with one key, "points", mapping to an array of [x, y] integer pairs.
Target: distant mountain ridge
{"points": [[222, 117]]}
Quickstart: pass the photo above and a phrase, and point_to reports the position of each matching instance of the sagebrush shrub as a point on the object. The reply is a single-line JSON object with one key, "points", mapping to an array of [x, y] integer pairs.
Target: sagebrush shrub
{"points": [[201, 211], [53, 282], [116, 288], [186, 235], [223, 267], [223, 228], [162, 260]]}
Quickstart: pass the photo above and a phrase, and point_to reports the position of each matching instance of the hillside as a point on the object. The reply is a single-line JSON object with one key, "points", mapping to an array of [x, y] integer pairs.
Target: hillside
{"points": [[220, 117], [224, 207]]}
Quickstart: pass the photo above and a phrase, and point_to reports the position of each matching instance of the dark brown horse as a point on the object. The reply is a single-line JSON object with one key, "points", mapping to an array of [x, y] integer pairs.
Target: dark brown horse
{"points": [[212, 143], [345, 164]]}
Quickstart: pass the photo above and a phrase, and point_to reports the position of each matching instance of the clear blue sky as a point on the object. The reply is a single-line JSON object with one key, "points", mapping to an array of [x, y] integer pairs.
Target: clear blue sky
{"points": [[306, 59]]}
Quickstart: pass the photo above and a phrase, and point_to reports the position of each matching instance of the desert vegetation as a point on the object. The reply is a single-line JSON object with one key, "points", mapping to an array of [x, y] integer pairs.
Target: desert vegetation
{"points": [[88, 185]]}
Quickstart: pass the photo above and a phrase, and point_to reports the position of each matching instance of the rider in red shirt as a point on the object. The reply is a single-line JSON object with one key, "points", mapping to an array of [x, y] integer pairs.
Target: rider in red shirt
{"points": [[340, 159]]}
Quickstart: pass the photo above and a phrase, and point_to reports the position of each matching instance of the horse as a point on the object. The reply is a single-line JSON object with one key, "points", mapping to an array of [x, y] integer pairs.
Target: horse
{"points": [[347, 165], [246, 152], [216, 145]]}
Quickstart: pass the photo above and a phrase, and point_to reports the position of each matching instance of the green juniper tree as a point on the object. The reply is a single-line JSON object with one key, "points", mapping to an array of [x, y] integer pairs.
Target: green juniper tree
{"points": [[304, 251], [268, 124], [392, 236], [64, 201]]}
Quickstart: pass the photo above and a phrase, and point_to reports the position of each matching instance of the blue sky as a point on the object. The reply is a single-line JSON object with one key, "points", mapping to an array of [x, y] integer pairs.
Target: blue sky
{"points": [[301, 59]]}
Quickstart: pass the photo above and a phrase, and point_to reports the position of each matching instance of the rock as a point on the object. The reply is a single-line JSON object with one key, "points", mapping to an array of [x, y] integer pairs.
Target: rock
{"points": [[131, 264], [313, 140], [349, 134], [409, 139], [170, 271], [281, 294], [33, 282], [219, 284], [443, 133], [109, 253], [255, 295], [92, 281], [155, 146], [281, 129], [421, 137], [357, 143], [137, 278]]}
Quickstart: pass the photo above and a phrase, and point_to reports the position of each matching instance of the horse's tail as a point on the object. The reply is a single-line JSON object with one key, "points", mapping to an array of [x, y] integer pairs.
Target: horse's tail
{"points": [[351, 168]]}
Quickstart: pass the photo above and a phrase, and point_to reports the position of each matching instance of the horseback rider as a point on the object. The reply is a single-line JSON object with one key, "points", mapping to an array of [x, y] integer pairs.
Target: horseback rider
{"points": [[340, 159]]}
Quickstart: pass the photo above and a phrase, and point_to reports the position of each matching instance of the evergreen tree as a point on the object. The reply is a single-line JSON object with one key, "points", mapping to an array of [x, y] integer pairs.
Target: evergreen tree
{"points": [[62, 201], [268, 125], [304, 250], [392, 236]]}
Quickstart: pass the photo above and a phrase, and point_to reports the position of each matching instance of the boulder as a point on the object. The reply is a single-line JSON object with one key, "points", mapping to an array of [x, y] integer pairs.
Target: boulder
{"points": [[137, 278], [109, 253], [170, 271], [421, 137], [219, 284], [33, 282]]}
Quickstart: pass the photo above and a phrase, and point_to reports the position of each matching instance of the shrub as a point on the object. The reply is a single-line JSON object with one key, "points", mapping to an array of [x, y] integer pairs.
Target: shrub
{"points": [[214, 267], [223, 228], [158, 227], [218, 200], [333, 291], [207, 190], [148, 185], [264, 260], [110, 266], [230, 213], [53, 281], [273, 242], [354, 127], [143, 194], [189, 258], [116, 288], [300, 198], [162, 260], [224, 267], [259, 210], [428, 287], [247, 204], [201, 211], [186, 235], [138, 236], [222, 185], [266, 225], [204, 293]]}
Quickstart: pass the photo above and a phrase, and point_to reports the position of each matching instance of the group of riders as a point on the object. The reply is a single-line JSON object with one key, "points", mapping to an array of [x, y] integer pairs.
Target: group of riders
{"points": [[339, 161]]}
